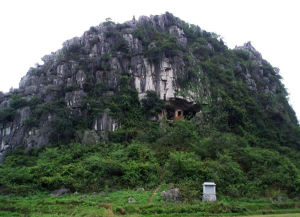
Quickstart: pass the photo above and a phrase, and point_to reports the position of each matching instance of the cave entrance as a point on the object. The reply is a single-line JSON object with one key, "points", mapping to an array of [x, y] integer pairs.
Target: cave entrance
{"points": [[178, 115], [180, 109]]}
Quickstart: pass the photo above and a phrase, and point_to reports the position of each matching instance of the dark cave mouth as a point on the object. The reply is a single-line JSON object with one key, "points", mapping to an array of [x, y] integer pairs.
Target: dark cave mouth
{"points": [[180, 109]]}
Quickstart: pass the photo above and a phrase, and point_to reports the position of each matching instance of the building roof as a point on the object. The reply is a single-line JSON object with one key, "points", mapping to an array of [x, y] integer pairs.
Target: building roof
{"points": [[209, 183]]}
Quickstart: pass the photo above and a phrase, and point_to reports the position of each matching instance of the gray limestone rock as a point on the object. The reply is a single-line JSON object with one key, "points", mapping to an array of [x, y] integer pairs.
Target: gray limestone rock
{"points": [[131, 200], [253, 52], [171, 195], [62, 190], [75, 99], [90, 137], [2, 97], [106, 122], [140, 189]]}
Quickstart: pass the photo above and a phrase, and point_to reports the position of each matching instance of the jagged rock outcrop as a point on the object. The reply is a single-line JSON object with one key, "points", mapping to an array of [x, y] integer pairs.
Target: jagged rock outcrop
{"points": [[171, 195], [157, 53], [259, 72]]}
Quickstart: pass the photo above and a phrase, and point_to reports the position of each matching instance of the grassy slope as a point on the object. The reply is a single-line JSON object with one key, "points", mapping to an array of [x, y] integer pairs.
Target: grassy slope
{"points": [[116, 203], [278, 215]]}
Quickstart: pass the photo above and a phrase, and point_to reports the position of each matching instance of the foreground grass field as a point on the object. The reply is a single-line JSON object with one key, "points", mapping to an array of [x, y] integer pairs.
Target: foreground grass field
{"points": [[116, 204], [278, 215]]}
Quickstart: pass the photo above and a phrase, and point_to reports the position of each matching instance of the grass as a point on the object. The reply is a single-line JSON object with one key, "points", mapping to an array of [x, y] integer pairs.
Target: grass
{"points": [[278, 215], [116, 204]]}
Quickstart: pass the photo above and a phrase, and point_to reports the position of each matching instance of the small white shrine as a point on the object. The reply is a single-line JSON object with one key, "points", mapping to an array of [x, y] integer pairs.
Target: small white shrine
{"points": [[209, 191]]}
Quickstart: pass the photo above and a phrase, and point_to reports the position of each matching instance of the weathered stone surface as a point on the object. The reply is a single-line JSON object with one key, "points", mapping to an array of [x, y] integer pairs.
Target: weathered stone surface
{"points": [[30, 90], [140, 189], [106, 122], [131, 200], [74, 99], [62, 190], [1, 96], [171, 195], [179, 33], [90, 137], [258, 73], [253, 52]]}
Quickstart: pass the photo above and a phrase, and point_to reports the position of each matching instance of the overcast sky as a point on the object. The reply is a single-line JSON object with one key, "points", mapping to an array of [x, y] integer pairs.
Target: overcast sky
{"points": [[33, 28]]}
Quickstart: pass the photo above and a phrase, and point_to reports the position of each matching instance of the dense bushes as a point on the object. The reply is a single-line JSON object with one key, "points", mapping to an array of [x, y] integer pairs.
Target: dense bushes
{"points": [[81, 168], [7, 115], [183, 165], [181, 155], [158, 43], [152, 104], [17, 101]]}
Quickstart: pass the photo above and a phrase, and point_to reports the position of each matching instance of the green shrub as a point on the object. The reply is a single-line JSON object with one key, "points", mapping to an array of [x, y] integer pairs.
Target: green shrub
{"points": [[245, 55], [182, 135], [7, 115], [184, 165], [151, 104], [17, 101], [30, 122], [228, 175]]}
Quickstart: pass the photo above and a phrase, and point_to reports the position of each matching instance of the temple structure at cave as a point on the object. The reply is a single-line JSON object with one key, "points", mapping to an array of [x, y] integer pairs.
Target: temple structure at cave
{"points": [[179, 109]]}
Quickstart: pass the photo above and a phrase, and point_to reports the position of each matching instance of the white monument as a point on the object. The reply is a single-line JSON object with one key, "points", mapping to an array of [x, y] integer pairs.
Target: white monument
{"points": [[209, 191]]}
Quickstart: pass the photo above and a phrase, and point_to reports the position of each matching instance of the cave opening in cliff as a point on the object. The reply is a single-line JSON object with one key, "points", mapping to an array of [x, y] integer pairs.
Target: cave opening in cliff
{"points": [[180, 109]]}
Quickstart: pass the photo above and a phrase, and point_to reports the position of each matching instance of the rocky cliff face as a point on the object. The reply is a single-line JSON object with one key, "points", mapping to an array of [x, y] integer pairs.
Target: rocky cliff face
{"points": [[158, 53]]}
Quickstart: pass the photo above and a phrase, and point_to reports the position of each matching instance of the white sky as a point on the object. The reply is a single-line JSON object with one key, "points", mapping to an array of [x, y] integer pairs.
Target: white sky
{"points": [[33, 28]]}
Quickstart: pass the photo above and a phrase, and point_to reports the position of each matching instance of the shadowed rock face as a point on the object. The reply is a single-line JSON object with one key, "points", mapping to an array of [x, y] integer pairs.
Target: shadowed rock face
{"points": [[99, 58]]}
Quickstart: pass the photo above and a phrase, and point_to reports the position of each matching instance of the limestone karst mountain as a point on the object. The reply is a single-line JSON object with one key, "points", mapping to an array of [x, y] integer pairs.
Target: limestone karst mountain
{"points": [[73, 96], [149, 101]]}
